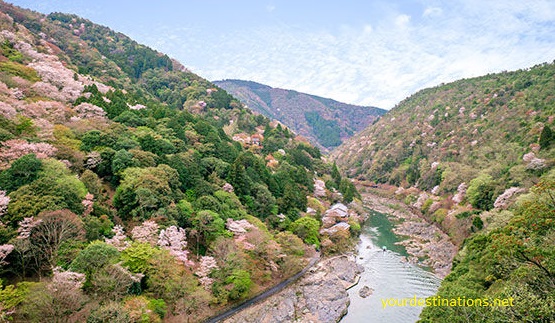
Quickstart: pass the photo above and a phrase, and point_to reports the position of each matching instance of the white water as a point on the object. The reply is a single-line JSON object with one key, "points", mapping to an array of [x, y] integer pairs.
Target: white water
{"points": [[388, 275]]}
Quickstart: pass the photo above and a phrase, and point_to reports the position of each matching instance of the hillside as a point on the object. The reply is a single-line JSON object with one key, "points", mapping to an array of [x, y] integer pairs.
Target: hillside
{"points": [[325, 122], [496, 124], [476, 158], [134, 190]]}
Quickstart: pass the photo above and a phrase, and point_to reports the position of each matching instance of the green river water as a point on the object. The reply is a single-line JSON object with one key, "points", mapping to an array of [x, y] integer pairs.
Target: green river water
{"points": [[390, 277]]}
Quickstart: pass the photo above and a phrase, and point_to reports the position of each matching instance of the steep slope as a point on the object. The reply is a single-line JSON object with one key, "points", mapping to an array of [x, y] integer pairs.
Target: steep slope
{"points": [[134, 190], [325, 122], [476, 158], [451, 133]]}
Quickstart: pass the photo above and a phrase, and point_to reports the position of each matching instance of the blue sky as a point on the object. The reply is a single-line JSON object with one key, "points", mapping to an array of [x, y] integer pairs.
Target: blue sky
{"points": [[373, 52]]}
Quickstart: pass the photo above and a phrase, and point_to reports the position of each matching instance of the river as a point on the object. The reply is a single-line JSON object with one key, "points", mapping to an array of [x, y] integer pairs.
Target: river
{"points": [[388, 275]]}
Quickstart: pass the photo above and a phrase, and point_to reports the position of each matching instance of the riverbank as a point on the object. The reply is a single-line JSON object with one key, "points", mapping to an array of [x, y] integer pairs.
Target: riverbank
{"points": [[424, 242], [319, 296]]}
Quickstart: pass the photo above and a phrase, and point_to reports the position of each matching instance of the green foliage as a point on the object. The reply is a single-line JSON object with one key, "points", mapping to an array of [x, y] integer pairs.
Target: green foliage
{"points": [[546, 137], [477, 223], [327, 131], [348, 190], [109, 312], [158, 306], [497, 118], [162, 155], [209, 225], [54, 189], [480, 192], [94, 257], [20, 70], [307, 229], [137, 257], [241, 284], [516, 260], [10, 52], [23, 171], [11, 296], [145, 190], [335, 175]]}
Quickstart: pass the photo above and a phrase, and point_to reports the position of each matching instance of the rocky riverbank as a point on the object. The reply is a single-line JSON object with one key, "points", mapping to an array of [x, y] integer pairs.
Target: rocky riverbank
{"points": [[319, 296], [424, 241]]}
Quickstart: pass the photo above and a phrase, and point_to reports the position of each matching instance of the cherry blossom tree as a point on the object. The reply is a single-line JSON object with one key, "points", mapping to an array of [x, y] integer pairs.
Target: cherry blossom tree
{"points": [[5, 250], [207, 265], [4, 201], [146, 232], [88, 111], [88, 203], [174, 239], [66, 279], [15, 148], [26, 226], [119, 238]]}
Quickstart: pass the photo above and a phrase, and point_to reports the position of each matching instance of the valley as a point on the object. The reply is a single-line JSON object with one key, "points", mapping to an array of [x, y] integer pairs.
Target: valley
{"points": [[324, 122], [134, 190]]}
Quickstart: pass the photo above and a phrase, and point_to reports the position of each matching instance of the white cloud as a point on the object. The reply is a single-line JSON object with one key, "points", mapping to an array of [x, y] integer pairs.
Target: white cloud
{"points": [[377, 63], [432, 12], [402, 20]]}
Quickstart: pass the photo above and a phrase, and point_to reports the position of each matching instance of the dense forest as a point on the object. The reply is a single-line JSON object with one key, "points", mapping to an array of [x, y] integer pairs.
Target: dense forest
{"points": [[475, 157], [132, 190]]}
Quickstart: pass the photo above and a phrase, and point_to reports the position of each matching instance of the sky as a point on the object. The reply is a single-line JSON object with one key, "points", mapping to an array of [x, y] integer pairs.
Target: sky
{"points": [[365, 52]]}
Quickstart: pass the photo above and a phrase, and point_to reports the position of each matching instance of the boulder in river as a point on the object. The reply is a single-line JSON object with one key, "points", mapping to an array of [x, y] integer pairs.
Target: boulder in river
{"points": [[365, 291]]}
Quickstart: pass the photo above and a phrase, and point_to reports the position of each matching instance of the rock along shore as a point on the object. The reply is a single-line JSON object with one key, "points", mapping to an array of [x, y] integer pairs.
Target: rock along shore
{"points": [[319, 296], [424, 241]]}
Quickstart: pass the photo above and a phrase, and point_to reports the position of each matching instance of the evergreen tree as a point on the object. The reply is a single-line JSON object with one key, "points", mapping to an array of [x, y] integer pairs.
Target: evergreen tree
{"points": [[546, 137]]}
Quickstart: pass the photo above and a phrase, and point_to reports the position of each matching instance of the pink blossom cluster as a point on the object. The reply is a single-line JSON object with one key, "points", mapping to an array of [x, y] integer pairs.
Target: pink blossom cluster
{"points": [[207, 265], [461, 192], [502, 201], [136, 107], [4, 201], [5, 250], [51, 110], [88, 203], [174, 239], [7, 110], [124, 272], [238, 227], [421, 199], [146, 232], [533, 162], [66, 280], [26, 226], [119, 240], [242, 240], [55, 73], [228, 188], [88, 111], [15, 148]]}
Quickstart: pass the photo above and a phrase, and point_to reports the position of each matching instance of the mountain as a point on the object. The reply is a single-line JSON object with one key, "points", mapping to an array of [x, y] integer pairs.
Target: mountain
{"points": [[134, 190], [325, 122], [450, 134], [476, 158]]}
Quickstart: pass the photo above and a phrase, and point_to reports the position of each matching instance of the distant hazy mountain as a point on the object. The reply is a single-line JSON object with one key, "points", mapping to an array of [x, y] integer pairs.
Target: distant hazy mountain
{"points": [[325, 122]]}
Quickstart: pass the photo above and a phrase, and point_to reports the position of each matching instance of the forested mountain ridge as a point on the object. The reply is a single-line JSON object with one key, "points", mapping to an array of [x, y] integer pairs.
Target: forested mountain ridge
{"points": [[325, 122], [134, 190], [476, 157]]}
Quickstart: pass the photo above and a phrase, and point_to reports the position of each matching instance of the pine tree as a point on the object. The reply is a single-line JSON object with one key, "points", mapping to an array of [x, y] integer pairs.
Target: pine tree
{"points": [[546, 137]]}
